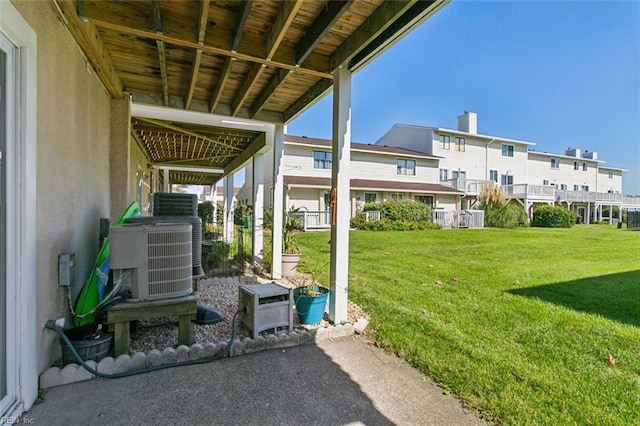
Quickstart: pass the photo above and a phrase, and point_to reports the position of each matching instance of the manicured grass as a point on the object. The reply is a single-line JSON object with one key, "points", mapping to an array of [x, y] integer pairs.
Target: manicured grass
{"points": [[518, 324]]}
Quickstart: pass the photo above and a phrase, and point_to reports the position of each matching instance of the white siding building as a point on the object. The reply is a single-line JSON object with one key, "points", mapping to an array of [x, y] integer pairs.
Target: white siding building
{"points": [[446, 169]]}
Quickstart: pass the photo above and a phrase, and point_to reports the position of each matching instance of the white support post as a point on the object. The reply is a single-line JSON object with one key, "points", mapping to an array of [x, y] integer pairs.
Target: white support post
{"points": [[340, 188], [156, 179], [166, 185], [258, 207], [278, 202], [214, 198], [228, 209]]}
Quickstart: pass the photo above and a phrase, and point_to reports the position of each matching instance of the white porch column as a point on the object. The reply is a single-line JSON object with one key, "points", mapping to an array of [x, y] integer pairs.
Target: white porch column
{"points": [[166, 186], [258, 206], [214, 198], [278, 202], [340, 188], [227, 226], [156, 180]]}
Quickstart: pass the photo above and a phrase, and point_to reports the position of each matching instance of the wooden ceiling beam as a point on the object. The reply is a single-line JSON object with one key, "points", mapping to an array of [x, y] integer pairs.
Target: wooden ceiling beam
{"points": [[195, 67], [320, 27], [281, 25], [208, 49], [162, 52], [254, 74], [228, 61], [383, 17], [273, 84], [87, 37]]}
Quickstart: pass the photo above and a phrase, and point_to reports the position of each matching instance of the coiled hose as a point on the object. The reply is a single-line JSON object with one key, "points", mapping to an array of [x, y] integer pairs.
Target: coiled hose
{"points": [[50, 325]]}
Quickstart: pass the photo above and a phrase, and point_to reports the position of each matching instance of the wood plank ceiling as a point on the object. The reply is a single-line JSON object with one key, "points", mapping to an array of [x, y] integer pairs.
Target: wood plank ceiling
{"points": [[261, 60]]}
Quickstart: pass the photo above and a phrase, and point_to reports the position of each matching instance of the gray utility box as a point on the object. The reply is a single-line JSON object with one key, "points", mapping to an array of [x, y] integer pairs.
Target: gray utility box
{"points": [[269, 306]]}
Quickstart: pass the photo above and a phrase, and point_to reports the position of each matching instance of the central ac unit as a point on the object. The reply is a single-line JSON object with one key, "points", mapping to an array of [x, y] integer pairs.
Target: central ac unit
{"points": [[159, 257]]}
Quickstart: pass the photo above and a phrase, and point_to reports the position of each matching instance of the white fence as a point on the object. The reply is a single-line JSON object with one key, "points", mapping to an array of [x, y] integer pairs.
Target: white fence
{"points": [[459, 219], [313, 219]]}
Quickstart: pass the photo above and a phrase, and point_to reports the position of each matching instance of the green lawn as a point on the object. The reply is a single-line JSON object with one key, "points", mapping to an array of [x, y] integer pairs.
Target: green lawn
{"points": [[518, 324]]}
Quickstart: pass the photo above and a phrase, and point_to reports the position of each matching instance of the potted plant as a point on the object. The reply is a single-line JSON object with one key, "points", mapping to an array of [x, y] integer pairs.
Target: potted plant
{"points": [[311, 297], [290, 247]]}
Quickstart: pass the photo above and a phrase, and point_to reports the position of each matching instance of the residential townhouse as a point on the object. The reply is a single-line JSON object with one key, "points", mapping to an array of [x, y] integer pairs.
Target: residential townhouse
{"points": [[469, 160], [420, 163], [378, 174]]}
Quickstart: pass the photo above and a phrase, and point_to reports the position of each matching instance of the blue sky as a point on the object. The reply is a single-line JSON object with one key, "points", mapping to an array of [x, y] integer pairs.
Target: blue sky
{"points": [[560, 74]]}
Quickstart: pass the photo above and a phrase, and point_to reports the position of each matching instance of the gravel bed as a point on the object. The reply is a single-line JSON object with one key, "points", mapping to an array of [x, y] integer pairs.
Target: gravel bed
{"points": [[222, 295]]}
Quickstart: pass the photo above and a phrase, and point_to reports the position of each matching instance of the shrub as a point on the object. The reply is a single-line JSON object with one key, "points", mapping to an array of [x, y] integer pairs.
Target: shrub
{"points": [[401, 210], [509, 215], [218, 254], [240, 212], [385, 224], [553, 217], [205, 213]]}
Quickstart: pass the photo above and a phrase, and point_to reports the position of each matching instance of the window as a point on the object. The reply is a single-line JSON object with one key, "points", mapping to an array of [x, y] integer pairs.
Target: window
{"points": [[396, 196], [563, 187], [555, 163], [406, 167], [545, 182], [425, 199], [445, 142], [506, 180], [610, 175], [444, 175], [460, 144], [584, 167], [493, 176], [507, 150], [576, 165], [576, 187], [584, 188], [370, 197], [321, 160]]}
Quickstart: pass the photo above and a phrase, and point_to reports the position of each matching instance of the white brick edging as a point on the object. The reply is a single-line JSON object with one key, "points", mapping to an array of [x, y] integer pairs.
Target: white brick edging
{"points": [[72, 373]]}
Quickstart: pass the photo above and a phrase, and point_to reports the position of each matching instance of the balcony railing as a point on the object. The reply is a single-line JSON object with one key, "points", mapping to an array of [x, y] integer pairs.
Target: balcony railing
{"points": [[521, 190], [468, 186]]}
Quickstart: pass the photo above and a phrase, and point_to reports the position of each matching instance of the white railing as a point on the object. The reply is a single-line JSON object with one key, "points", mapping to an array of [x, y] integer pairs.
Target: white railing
{"points": [[313, 219], [468, 186], [449, 219], [371, 216], [631, 200], [522, 189]]}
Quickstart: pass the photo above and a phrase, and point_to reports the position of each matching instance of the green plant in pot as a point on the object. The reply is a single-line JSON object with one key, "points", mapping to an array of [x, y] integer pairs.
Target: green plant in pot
{"points": [[311, 298], [290, 246]]}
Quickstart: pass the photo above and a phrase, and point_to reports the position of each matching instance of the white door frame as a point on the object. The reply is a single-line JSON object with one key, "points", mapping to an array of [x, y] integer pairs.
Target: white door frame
{"points": [[20, 157]]}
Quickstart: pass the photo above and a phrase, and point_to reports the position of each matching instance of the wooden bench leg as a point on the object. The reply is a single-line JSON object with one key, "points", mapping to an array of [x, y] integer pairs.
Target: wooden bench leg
{"points": [[185, 330], [121, 338]]}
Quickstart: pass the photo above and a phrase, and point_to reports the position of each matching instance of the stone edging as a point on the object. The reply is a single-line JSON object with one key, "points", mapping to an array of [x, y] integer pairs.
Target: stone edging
{"points": [[72, 373]]}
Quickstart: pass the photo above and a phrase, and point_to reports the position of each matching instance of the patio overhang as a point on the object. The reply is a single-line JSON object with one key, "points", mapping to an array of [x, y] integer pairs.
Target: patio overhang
{"points": [[249, 61], [212, 84]]}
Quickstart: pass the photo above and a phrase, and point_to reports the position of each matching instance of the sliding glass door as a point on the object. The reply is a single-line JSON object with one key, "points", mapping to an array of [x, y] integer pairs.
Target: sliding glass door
{"points": [[4, 54]]}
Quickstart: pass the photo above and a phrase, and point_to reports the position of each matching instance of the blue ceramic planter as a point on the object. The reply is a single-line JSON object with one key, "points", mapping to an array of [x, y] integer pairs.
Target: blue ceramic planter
{"points": [[310, 309]]}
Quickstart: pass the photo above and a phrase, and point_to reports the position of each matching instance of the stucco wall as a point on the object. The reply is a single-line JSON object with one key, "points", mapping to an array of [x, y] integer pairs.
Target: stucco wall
{"points": [[72, 165], [139, 160]]}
